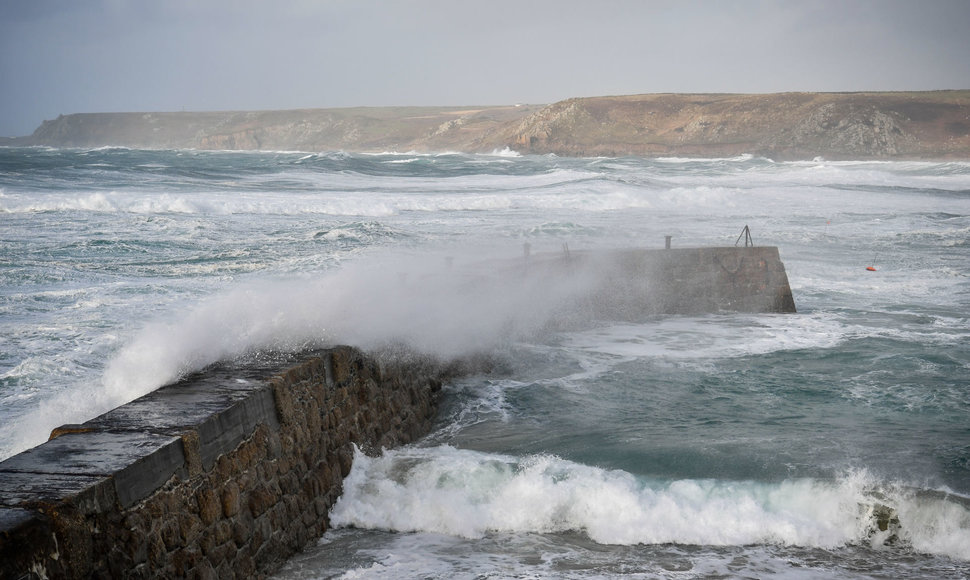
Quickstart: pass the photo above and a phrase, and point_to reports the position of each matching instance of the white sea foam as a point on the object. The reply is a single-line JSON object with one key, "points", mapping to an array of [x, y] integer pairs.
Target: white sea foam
{"points": [[744, 157], [439, 557], [471, 494], [197, 256], [506, 152], [711, 337], [568, 187]]}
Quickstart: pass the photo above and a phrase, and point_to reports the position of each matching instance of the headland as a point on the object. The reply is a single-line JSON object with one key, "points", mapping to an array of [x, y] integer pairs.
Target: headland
{"points": [[782, 126]]}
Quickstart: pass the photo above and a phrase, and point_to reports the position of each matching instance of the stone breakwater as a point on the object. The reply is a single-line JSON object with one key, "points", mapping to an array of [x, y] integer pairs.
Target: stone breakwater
{"points": [[228, 472], [220, 475]]}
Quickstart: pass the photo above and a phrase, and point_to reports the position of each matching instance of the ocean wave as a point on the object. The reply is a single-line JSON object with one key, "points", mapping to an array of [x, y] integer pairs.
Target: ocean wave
{"points": [[102, 202], [104, 149], [358, 232], [506, 152], [471, 494], [155, 204], [743, 158], [559, 191]]}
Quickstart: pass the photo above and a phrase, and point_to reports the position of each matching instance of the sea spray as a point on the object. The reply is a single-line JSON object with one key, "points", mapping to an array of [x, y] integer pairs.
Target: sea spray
{"points": [[426, 303]]}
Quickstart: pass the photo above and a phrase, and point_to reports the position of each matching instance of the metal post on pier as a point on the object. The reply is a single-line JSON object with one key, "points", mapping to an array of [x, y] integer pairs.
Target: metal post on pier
{"points": [[746, 234]]}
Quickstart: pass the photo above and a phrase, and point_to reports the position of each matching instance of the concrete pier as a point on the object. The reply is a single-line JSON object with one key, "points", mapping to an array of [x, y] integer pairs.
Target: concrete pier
{"points": [[630, 284], [701, 280]]}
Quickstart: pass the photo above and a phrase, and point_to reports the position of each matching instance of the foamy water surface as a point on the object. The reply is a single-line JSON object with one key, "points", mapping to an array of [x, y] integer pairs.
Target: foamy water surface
{"points": [[681, 447]]}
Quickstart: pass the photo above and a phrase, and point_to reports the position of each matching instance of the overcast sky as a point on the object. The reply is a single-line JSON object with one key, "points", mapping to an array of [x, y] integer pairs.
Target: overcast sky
{"points": [[72, 56]]}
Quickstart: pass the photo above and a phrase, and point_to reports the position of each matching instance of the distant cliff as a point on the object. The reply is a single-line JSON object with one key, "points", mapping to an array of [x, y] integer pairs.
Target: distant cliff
{"points": [[917, 125], [781, 126], [367, 129]]}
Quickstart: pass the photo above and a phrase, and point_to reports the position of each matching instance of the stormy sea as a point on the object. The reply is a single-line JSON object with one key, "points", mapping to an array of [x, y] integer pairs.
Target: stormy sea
{"points": [[833, 442]]}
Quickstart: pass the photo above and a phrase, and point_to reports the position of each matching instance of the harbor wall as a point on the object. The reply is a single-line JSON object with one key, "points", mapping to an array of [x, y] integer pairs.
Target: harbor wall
{"points": [[691, 281], [227, 473], [221, 475], [632, 284]]}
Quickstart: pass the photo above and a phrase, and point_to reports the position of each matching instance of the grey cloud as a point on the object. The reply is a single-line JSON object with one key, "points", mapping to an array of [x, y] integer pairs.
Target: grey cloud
{"points": [[58, 56]]}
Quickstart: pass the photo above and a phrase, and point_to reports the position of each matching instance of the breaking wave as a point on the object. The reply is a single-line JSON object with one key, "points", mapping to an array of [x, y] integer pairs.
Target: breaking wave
{"points": [[471, 494]]}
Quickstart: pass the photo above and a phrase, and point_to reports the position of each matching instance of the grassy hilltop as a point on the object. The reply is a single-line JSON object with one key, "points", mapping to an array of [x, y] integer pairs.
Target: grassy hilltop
{"points": [[897, 125]]}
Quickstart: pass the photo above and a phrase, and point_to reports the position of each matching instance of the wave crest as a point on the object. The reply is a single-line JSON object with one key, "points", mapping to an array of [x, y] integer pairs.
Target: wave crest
{"points": [[471, 494]]}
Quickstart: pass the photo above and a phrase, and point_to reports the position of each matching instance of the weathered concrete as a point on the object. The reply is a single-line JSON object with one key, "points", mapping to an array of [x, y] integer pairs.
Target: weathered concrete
{"points": [[223, 415], [633, 284], [95, 468], [700, 280]]}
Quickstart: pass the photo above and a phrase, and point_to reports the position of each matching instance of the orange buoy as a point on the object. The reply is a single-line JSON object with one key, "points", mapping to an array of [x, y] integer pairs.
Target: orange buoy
{"points": [[870, 268]]}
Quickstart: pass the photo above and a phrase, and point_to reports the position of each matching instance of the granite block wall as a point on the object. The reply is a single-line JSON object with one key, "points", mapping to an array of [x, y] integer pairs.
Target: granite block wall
{"points": [[214, 477]]}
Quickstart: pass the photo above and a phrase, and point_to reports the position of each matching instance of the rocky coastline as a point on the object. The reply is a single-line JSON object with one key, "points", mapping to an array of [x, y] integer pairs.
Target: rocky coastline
{"points": [[782, 126]]}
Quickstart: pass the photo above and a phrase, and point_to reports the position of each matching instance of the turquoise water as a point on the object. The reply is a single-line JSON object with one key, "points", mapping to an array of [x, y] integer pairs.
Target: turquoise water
{"points": [[722, 445]]}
